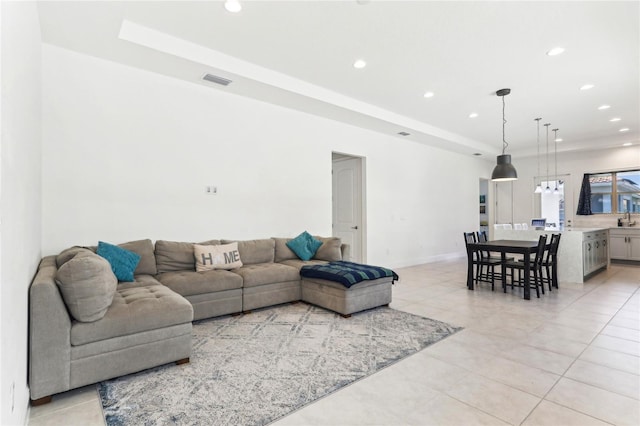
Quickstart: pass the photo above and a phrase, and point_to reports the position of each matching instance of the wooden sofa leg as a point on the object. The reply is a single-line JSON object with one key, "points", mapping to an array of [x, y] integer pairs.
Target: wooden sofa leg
{"points": [[41, 401], [182, 361]]}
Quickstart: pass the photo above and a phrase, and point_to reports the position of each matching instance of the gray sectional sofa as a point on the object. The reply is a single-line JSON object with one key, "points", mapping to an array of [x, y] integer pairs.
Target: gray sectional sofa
{"points": [[147, 322]]}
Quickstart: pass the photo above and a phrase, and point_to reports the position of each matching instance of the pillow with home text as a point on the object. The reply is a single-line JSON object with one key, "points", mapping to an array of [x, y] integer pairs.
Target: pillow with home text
{"points": [[224, 256]]}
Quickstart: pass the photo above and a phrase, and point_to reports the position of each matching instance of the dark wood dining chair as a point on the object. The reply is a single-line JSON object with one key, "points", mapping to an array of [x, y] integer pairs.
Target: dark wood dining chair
{"points": [[479, 261], [535, 269], [550, 263]]}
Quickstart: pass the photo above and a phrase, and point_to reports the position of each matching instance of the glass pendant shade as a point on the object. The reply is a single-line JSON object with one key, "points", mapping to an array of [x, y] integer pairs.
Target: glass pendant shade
{"points": [[504, 170], [547, 190], [538, 189]]}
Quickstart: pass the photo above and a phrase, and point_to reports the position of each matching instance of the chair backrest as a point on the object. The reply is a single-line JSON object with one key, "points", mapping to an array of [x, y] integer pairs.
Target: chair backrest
{"points": [[517, 226], [507, 226], [497, 226], [525, 226], [542, 246], [555, 243], [482, 236], [469, 238]]}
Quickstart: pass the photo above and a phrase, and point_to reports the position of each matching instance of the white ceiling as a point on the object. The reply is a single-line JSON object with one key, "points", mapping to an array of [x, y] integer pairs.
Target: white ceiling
{"points": [[299, 54]]}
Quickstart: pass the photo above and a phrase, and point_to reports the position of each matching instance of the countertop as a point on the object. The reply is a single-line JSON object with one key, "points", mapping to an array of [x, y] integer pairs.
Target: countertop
{"points": [[626, 228]]}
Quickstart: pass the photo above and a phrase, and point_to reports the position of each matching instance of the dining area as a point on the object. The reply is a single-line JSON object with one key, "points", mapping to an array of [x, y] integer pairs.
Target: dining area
{"points": [[530, 265]]}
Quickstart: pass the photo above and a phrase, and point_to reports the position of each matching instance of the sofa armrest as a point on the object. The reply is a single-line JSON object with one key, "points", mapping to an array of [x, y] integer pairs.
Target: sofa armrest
{"points": [[49, 334]]}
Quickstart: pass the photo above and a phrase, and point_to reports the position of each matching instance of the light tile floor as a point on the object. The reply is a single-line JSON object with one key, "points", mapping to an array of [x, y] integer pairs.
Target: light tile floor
{"points": [[571, 357]]}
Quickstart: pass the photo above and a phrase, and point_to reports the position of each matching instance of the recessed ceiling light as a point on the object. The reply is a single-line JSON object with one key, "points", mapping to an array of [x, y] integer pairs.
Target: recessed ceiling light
{"points": [[559, 140], [627, 144], [233, 6], [587, 87], [614, 119], [359, 64], [555, 51], [429, 94], [477, 154], [473, 115], [404, 133], [601, 107], [624, 129]]}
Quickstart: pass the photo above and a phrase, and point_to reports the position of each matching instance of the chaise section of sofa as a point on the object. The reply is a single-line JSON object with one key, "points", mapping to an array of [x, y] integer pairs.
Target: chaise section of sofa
{"points": [[146, 325]]}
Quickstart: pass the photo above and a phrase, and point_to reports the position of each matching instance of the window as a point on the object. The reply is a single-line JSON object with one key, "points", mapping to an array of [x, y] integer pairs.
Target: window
{"points": [[628, 191], [615, 192]]}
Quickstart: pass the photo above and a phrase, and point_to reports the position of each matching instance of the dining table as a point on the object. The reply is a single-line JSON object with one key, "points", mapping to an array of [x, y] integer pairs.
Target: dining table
{"points": [[526, 248]]}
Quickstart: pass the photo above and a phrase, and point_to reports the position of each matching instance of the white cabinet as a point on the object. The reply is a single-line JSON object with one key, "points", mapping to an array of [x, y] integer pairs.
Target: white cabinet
{"points": [[625, 243], [594, 251]]}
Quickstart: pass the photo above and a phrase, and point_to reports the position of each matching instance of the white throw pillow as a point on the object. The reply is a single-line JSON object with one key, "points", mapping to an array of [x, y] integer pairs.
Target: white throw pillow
{"points": [[224, 256]]}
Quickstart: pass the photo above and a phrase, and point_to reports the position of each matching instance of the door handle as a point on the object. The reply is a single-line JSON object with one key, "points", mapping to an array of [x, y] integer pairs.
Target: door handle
{"points": [[354, 227]]}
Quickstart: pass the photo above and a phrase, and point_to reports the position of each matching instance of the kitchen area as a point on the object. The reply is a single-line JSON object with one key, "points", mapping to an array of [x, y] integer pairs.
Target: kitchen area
{"points": [[608, 232]]}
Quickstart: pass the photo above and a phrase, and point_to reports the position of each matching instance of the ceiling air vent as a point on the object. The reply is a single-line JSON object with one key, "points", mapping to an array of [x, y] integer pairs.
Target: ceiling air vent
{"points": [[215, 79], [404, 133]]}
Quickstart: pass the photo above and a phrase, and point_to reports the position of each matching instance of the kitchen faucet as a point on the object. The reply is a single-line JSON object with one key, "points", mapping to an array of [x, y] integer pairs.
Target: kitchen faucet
{"points": [[627, 215]]}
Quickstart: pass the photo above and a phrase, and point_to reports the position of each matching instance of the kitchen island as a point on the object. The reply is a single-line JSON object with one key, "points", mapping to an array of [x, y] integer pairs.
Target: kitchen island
{"points": [[582, 251]]}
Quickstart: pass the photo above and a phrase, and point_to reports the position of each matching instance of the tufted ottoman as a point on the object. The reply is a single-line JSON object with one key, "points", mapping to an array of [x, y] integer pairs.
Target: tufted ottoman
{"points": [[346, 301]]}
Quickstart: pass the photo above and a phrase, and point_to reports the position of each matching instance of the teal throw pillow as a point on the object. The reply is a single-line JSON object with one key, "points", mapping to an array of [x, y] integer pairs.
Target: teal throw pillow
{"points": [[304, 245], [123, 262]]}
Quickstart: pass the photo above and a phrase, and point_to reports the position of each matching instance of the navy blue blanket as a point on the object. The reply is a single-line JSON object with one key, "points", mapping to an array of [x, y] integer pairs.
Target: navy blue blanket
{"points": [[346, 273]]}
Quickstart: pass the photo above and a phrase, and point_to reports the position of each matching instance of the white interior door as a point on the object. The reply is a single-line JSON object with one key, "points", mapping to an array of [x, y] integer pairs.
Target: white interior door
{"points": [[348, 218]]}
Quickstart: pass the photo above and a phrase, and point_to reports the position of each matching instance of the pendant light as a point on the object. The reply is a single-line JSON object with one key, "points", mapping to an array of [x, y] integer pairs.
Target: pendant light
{"points": [[555, 158], [547, 190], [539, 185], [504, 170]]}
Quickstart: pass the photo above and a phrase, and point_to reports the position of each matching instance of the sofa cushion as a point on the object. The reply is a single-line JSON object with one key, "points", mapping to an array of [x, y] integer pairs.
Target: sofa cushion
{"points": [[177, 256], [330, 250], [190, 283], [304, 245], [68, 254], [224, 256], [123, 262], [255, 251], [174, 256], [282, 251], [298, 264], [87, 285], [135, 310], [267, 273], [143, 248]]}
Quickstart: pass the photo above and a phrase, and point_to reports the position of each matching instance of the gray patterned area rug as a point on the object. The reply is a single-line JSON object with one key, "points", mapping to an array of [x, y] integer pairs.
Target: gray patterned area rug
{"points": [[255, 368]]}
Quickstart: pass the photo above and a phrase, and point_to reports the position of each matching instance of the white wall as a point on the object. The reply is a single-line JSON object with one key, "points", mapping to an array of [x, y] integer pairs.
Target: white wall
{"points": [[575, 165], [127, 153], [20, 193]]}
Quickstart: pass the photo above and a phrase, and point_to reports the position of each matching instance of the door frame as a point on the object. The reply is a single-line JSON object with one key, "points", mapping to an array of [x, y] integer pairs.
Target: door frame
{"points": [[361, 165]]}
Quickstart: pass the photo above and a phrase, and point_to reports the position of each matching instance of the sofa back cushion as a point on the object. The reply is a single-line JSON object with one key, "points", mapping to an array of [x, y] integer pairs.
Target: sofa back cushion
{"points": [[282, 251], [330, 250], [174, 256], [87, 285], [255, 251], [143, 248]]}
